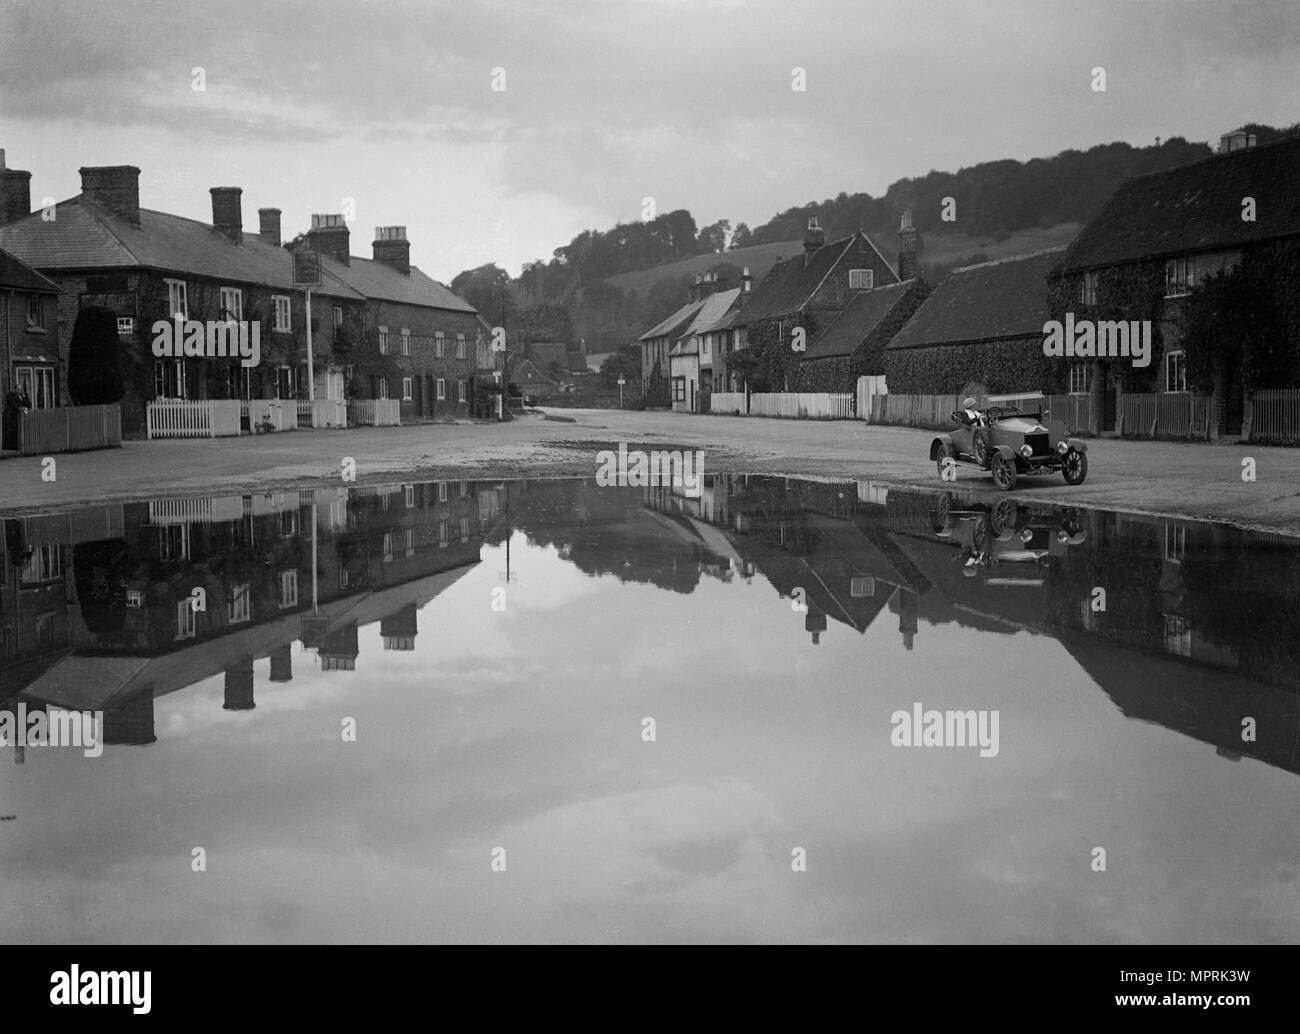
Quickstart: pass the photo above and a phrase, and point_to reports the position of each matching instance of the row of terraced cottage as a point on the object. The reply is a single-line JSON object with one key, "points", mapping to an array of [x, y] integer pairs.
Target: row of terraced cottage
{"points": [[388, 343], [840, 332]]}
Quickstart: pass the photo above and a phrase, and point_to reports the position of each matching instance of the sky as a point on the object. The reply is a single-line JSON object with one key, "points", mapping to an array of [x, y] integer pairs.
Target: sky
{"points": [[605, 102]]}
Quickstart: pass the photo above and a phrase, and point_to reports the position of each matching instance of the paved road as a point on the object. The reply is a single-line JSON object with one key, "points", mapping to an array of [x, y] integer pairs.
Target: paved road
{"points": [[1158, 477]]}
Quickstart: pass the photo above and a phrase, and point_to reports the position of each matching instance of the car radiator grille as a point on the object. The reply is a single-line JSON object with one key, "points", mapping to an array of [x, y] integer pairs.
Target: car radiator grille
{"points": [[1039, 443]]}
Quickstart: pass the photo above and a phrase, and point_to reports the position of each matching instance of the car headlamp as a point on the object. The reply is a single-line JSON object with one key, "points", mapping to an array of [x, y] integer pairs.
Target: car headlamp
{"points": [[1026, 450], [1062, 447], [1026, 534]]}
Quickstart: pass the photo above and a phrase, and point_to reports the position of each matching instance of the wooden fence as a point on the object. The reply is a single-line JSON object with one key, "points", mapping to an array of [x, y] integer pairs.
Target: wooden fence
{"points": [[376, 412], [280, 415], [193, 418], [322, 413], [1164, 415], [69, 429], [728, 402], [1275, 415], [930, 411], [810, 405]]}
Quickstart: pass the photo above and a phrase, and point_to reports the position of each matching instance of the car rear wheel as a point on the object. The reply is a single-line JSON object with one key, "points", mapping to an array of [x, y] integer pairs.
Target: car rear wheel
{"points": [[1075, 467], [982, 445], [1004, 472]]}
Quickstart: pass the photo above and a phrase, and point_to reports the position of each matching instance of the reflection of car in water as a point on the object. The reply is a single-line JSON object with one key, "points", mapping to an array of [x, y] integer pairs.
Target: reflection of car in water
{"points": [[1008, 543], [1009, 443]]}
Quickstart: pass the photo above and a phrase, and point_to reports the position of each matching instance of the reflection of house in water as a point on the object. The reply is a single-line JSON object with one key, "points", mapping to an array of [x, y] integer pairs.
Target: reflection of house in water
{"points": [[380, 553]]}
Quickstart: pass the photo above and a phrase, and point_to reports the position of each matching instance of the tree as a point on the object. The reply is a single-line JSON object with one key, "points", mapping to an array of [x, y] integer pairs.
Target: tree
{"points": [[714, 238], [743, 237], [95, 375], [487, 288], [626, 362]]}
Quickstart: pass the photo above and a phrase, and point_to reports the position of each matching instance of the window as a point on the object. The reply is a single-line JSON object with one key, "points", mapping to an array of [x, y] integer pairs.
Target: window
{"points": [[237, 607], [1080, 377], [44, 565], [232, 303], [388, 547], [126, 325], [408, 496], [281, 311], [37, 382], [442, 389], [439, 346], [383, 340], [679, 389], [185, 624], [1178, 635], [35, 312], [284, 382], [383, 387], [461, 387], [406, 389], [442, 533], [169, 379], [288, 524], [406, 341], [1088, 289], [464, 529], [1179, 277], [862, 585], [408, 539], [134, 599], [174, 542], [460, 346], [288, 588], [177, 301], [1175, 542], [338, 316], [442, 491], [861, 279], [1176, 371]]}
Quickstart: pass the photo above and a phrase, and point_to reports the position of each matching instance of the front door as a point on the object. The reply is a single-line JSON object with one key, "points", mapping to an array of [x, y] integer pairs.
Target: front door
{"points": [[1234, 401]]}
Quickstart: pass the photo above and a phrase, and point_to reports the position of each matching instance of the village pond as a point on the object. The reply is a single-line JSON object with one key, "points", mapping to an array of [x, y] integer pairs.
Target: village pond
{"points": [[770, 710]]}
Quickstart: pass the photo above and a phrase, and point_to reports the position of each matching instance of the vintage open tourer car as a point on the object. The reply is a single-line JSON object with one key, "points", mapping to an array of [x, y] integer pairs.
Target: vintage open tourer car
{"points": [[1010, 443]]}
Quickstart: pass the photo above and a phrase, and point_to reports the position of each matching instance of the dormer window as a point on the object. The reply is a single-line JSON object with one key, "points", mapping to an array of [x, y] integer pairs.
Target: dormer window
{"points": [[862, 279]]}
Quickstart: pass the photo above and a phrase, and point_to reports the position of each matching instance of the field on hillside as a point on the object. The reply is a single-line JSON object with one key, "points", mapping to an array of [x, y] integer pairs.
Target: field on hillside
{"points": [[943, 250]]}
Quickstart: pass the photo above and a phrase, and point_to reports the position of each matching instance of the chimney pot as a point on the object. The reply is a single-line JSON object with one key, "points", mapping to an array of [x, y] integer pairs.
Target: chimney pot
{"points": [[228, 213], [909, 247], [814, 238], [268, 226], [115, 187], [329, 234], [392, 248]]}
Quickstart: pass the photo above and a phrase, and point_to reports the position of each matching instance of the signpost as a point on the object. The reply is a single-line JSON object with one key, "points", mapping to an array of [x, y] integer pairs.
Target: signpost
{"points": [[306, 274], [621, 382]]}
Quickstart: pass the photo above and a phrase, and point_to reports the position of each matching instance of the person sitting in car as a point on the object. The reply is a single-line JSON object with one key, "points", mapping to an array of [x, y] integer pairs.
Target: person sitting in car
{"points": [[969, 414]]}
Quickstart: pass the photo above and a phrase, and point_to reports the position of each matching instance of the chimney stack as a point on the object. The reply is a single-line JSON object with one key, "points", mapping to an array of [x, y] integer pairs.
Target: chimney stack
{"points": [[746, 282], [15, 193], [268, 226], [392, 248], [329, 235], [909, 247], [115, 187], [282, 664], [814, 238], [239, 686], [1237, 140], [228, 213]]}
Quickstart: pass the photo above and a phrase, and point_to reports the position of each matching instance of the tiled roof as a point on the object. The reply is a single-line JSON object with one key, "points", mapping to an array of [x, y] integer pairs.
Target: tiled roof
{"points": [[857, 320], [1002, 299], [716, 306], [666, 328], [790, 284], [528, 370], [20, 276], [83, 235], [373, 279], [1196, 207]]}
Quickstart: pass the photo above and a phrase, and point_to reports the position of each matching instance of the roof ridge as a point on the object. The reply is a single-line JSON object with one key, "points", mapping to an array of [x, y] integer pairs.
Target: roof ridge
{"points": [[1012, 258], [1213, 156]]}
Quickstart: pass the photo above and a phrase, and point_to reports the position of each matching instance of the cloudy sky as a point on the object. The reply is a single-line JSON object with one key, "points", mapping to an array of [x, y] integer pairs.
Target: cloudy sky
{"points": [[606, 102]]}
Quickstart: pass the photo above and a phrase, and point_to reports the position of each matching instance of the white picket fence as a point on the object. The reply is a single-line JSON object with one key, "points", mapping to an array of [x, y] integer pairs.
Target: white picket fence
{"points": [[322, 413], [808, 405], [376, 412], [727, 402], [186, 418], [281, 414]]}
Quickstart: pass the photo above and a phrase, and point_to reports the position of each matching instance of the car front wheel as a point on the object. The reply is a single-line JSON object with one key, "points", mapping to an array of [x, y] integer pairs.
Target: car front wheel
{"points": [[1075, 467], [1004, 472]]}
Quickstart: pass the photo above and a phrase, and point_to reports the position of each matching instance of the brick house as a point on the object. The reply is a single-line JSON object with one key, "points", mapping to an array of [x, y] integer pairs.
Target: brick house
{"points": [[980, 329], [853, 344], [812, 289], [1162, 234], [31, 367], [424, 340], [104, 251]]}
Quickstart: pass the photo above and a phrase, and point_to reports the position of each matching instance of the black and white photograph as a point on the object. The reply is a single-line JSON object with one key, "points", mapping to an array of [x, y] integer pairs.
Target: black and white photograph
{"points": [[650, 472]]}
